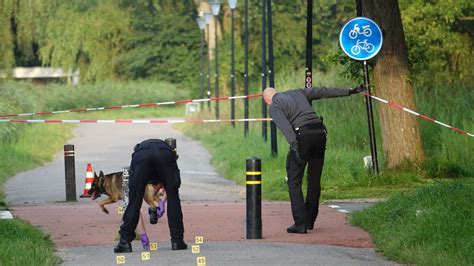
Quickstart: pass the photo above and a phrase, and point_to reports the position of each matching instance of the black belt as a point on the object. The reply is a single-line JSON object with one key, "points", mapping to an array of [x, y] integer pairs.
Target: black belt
{"points": [[310, 129]]}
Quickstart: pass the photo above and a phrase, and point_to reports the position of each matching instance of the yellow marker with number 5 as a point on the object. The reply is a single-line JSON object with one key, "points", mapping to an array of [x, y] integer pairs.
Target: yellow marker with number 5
{"points": [[120, 259], [146, 255], [199, 239], [120, 210], [201, 261], [153, 246], [195, 249]]}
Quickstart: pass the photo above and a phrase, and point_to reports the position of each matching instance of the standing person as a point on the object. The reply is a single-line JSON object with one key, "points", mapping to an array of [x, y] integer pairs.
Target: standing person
{"points": [[153, 161], [304, 130]]}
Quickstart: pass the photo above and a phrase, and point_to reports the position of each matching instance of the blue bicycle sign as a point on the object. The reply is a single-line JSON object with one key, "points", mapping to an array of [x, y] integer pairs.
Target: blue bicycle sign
{"points": [[361, 38]]}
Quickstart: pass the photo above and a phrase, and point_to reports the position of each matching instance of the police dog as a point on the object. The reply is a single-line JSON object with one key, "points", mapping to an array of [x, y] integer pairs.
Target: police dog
{"points": [[111, 185]]}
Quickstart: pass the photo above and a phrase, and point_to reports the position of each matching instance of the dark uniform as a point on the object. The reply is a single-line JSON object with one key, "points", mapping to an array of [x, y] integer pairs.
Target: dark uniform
{"points": [[153, 161], [304, 130]]}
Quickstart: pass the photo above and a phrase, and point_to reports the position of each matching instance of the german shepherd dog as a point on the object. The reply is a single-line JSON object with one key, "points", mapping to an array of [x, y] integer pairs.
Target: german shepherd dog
{"points": [[111, 185]]}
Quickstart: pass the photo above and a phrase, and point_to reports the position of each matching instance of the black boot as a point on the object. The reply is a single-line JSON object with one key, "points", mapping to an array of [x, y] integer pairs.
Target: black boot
{"points": [[177, 245], [153, 215], [123, 247], [296, 229]]}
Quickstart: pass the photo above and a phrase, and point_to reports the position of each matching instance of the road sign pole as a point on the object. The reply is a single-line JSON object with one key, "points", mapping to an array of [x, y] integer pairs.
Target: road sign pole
{"points": [[309, 45], [368, 106], [370, 119], [361, 39]]}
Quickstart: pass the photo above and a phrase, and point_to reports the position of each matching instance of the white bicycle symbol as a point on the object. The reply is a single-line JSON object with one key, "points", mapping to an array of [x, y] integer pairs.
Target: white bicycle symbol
{"points": [[362, 45], [356, 31]]}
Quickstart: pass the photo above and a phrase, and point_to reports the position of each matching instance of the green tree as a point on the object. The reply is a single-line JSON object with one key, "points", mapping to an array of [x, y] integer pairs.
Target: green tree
{"points": [[165, 42], [84, 34], [440, 39], [88, 35], [400, 131]]}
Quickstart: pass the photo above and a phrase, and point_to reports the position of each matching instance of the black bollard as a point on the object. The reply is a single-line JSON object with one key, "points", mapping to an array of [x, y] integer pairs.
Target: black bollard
{"points": [[254, 197], [70, 172]]}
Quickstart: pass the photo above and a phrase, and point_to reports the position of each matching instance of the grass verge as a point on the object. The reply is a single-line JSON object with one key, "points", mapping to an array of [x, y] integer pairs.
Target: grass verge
{"points": [[433, 225], [22, 244]]}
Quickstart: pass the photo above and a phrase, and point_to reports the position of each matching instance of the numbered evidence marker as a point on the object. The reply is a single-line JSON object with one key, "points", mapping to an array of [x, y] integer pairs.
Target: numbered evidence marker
{"points": [[153, 246], [146, 255], [201, 261], [195, 249], [199, 239], [120, 259], [120, 210]]}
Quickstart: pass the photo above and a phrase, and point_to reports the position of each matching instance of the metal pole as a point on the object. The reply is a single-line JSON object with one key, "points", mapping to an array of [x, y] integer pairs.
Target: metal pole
{"points": [[70, 172], [246, 67], [370, 119], [201, 74], [264, 68], [216, 49], [208, 69], [309, 45], [254, 198], [271, 76], [232, 73], [368, 105]]}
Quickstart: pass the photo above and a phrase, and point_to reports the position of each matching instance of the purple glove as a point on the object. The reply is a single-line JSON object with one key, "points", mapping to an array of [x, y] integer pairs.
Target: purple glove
{"points": [[161, 209], [145, 241]]}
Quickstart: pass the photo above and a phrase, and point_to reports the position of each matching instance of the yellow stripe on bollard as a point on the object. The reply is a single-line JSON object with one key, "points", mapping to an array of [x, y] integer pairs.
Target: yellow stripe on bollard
{"points": [[254, 182], [253, 173]]}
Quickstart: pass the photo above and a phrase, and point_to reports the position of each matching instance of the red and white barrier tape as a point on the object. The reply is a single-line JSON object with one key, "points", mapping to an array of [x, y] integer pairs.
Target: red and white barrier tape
{"points": [[134, 121], [184, 120], [133, 105], [420, 115]]}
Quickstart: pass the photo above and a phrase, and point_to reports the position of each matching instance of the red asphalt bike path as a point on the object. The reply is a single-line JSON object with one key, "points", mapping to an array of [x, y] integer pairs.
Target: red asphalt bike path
{"points": [[82, 223]]}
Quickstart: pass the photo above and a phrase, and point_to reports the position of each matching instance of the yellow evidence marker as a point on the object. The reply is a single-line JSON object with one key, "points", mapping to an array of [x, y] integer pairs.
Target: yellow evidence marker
{"points": [[199, 239], [120, 210], [195, 249], [201, 261], [145, 255], [153, 246], [120, 259]]}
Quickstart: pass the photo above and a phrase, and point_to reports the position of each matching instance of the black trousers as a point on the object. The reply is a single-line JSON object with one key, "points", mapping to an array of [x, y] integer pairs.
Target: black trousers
{"points": [[153, 161], [311, 148]]}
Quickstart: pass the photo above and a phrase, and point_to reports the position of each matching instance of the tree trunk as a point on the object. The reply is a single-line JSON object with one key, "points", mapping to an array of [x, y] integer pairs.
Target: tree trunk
{"points": [[400, 130]]}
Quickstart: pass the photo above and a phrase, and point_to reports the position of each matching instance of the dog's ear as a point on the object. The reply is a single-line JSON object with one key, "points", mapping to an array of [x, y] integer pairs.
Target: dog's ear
{"points": [[95, 174], [101, 174]]}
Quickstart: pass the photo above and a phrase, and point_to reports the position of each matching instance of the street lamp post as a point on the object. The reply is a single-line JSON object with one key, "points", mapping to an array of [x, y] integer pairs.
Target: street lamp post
{"points": [[216, 6], [201, 24], [246, 66], [207, 19], [232, 5]]}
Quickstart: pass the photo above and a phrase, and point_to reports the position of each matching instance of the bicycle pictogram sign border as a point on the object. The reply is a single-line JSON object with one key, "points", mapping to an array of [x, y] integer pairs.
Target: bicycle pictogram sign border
{"points": [[378, 48]]}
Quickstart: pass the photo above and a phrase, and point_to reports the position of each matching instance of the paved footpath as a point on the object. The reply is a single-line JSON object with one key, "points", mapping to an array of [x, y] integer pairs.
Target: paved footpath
{"points": [[213, 208]]}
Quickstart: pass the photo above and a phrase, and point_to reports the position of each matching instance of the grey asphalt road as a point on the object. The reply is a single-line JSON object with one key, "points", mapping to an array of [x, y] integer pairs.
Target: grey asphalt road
{"points": [[108, 147], [229, 254]]}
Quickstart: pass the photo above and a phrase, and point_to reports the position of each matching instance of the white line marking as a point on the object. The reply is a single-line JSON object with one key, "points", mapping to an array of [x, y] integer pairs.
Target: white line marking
{"points": [[343, 211], [198, 173], [334, 206], [5, 215]]}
